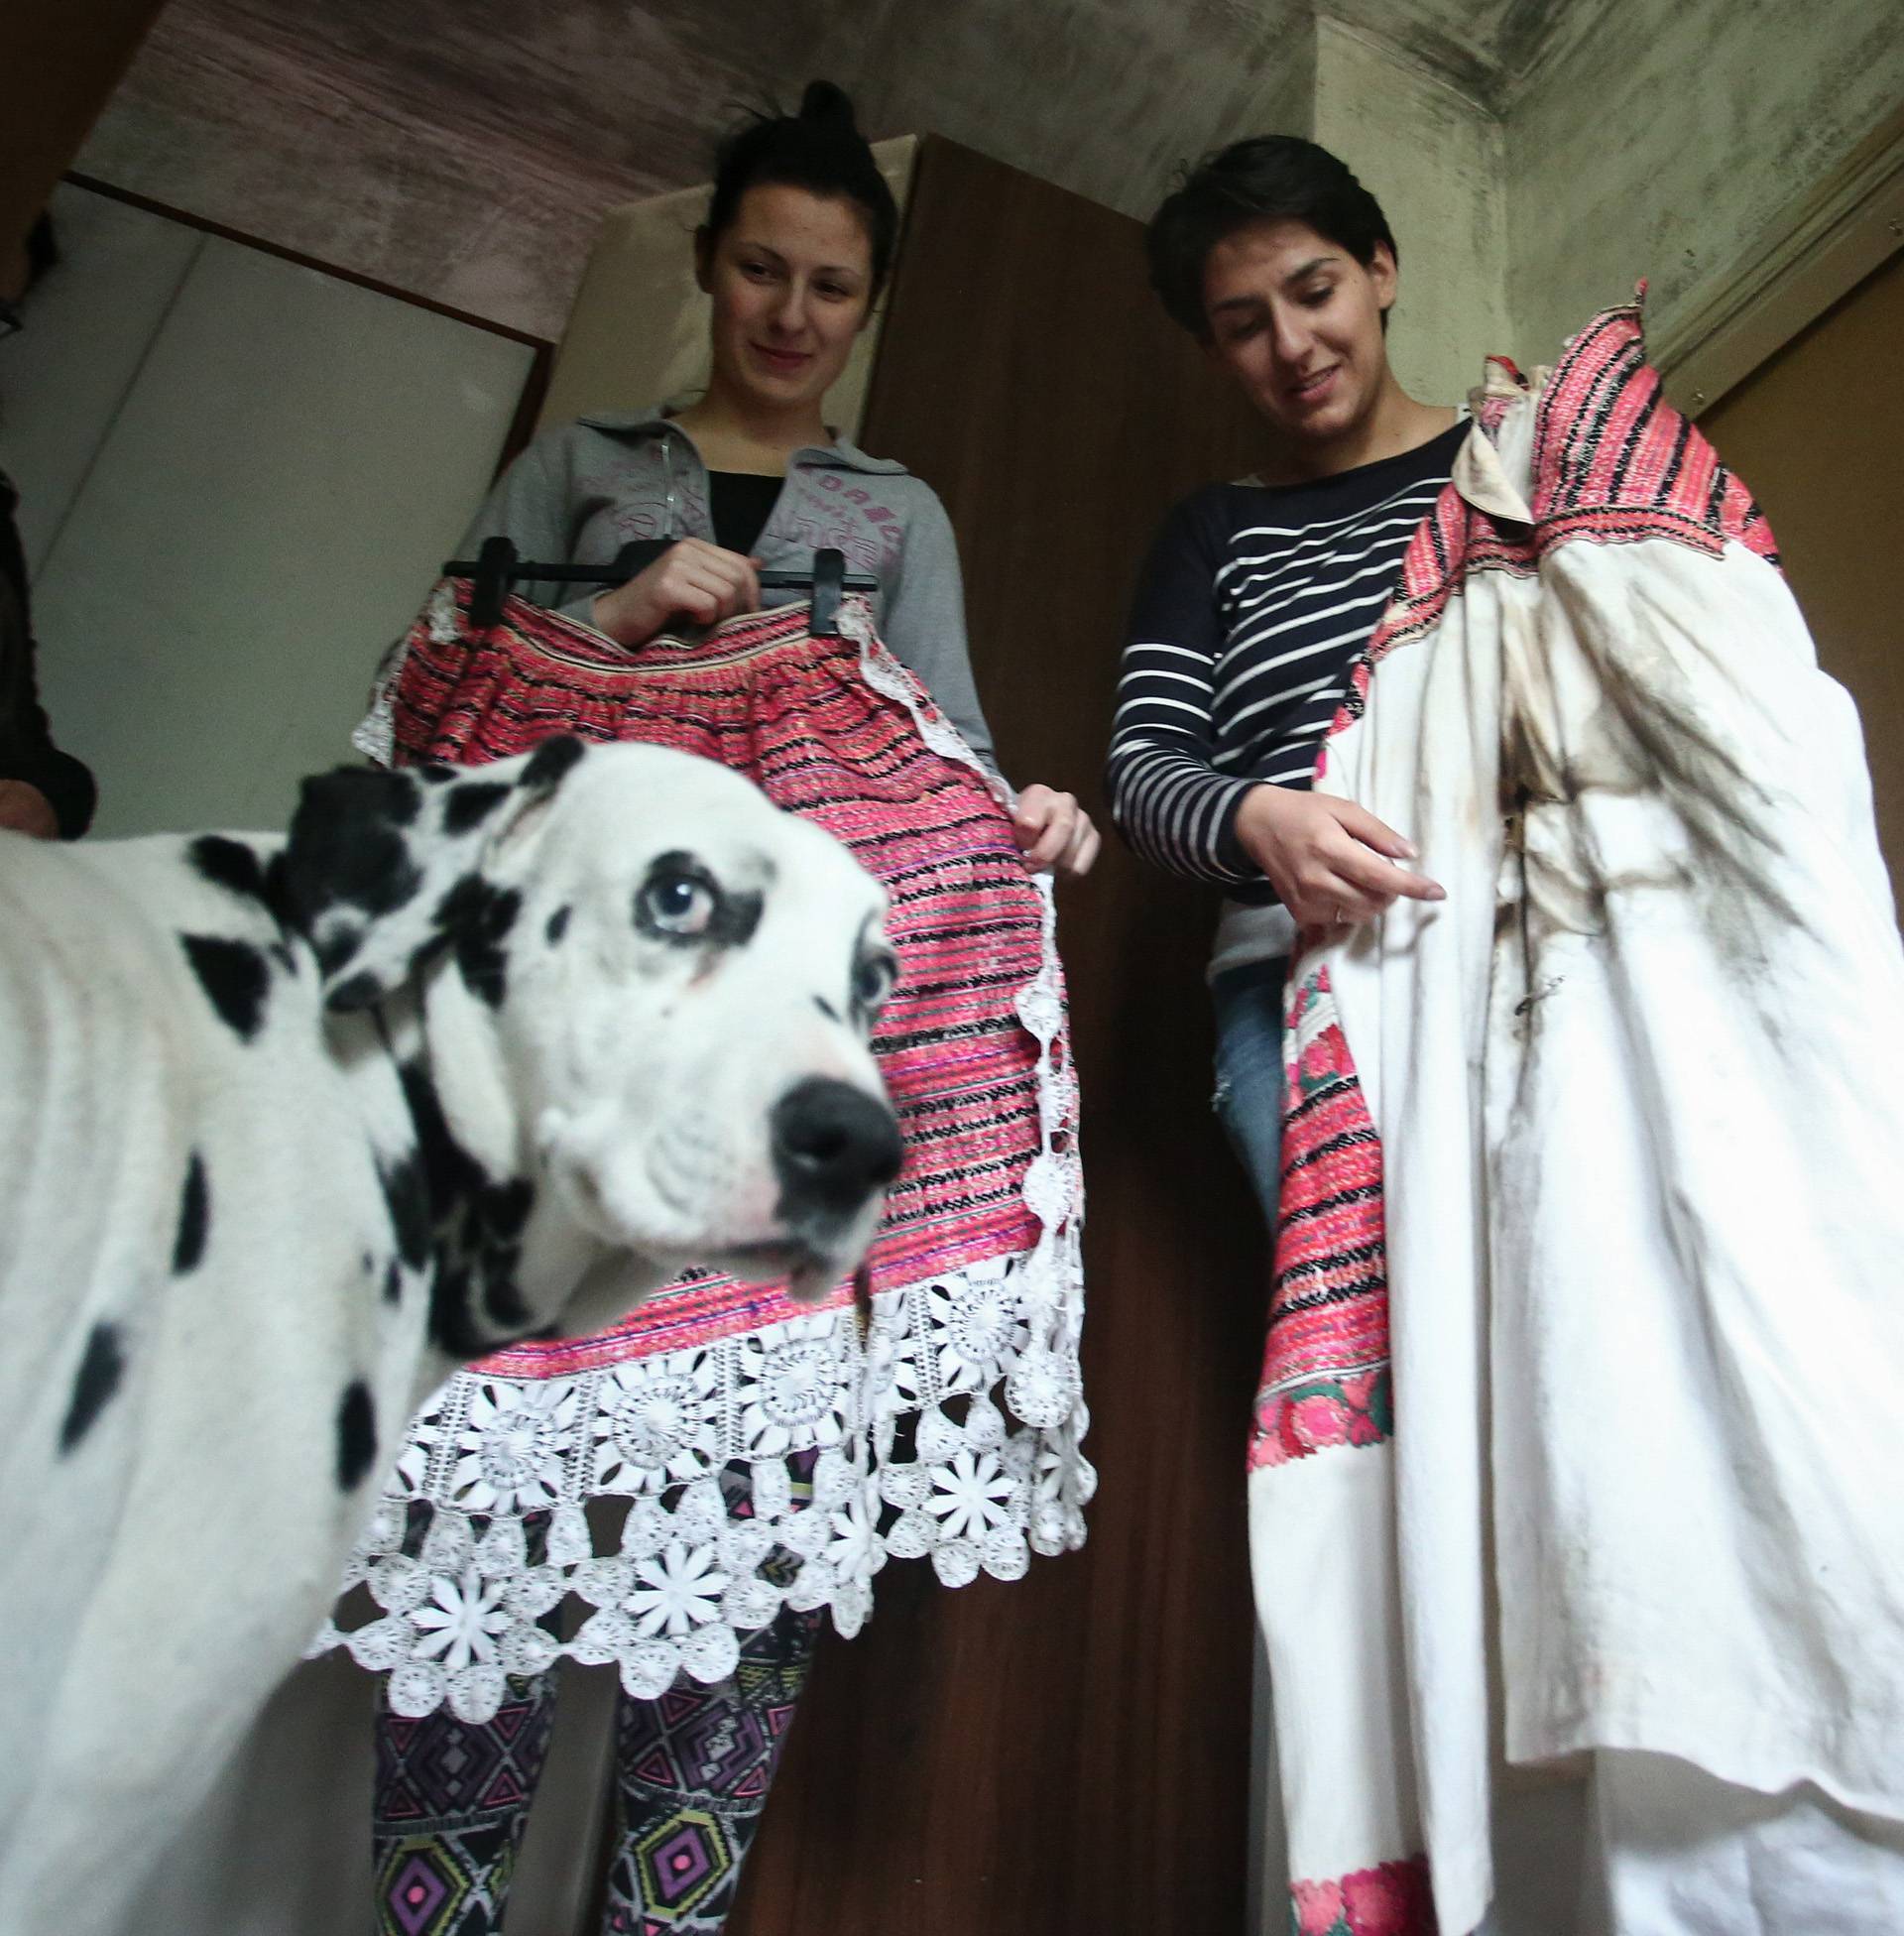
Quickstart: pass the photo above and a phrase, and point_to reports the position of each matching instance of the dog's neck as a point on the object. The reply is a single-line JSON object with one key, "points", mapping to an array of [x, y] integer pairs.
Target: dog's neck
{"points": [[506, 1254]]}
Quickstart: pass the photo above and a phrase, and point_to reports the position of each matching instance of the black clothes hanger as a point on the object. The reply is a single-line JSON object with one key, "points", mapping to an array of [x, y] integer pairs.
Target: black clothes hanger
{"points": [[496, 567]]}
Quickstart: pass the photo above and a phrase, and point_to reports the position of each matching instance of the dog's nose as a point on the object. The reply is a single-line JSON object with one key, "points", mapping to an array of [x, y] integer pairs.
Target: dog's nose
{"points": [[833, 1146]]}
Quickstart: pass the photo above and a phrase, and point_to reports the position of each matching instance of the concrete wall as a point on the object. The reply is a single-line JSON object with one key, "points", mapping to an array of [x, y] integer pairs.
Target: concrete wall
{"points": [[1663, 143], [1104, 97], [464, 149], [1433, 157]]}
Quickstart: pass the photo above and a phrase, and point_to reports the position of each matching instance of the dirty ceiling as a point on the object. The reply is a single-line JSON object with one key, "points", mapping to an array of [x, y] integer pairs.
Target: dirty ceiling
{"points": [[462, 149]]}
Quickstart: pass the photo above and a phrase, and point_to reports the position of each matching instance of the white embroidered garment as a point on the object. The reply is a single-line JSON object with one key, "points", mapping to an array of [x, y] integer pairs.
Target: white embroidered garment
{"points": [[1629, 1112]]}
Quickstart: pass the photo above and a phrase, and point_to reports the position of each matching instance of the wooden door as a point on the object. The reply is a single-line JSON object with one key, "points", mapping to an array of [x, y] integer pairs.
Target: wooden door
{"points": [[1066, 1755], [1818, 432]]}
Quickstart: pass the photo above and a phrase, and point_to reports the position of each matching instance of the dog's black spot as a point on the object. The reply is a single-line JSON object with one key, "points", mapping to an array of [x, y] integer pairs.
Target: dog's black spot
{"points": [[476, 1227], [734, 923], [504, 1207], [231, 865], [450, 1176], [477, 915], [356, 991], [194, 1217], [406, 1192], [470, 804], [356, 1435], [347, 845], [100, 1371], [392, 1283], [557, 924], [451, 1322], [493, 1236], [450, 1173], [550, 762], [235, 977], [434, 772], [341, 941], [503, 1303], [239, 870], [395, 880], [826, 1008], [396, 796]]}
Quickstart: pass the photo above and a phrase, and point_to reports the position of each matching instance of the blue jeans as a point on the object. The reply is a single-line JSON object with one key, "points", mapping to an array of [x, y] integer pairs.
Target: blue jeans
{"points": [[1249, 1098]]}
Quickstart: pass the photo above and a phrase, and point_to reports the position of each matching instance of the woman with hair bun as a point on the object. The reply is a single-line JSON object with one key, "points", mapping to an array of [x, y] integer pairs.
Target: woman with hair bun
{"points": [[771, 1459], [795, 250]]}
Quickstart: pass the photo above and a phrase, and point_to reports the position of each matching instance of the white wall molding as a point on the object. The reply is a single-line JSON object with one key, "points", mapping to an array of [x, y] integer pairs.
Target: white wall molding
{"points": [[1827, 243]]}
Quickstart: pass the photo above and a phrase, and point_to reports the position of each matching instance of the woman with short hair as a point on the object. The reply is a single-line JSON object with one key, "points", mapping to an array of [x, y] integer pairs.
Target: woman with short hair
{"points": [[1572, 1530]]}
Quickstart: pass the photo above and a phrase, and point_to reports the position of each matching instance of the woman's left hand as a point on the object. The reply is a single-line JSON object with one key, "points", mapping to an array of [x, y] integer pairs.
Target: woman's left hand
{"points": [[1054, 833], [24, 809]]}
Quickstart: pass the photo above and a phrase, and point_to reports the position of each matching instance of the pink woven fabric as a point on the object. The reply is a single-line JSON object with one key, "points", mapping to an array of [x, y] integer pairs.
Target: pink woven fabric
{"points": [[798, 716]]}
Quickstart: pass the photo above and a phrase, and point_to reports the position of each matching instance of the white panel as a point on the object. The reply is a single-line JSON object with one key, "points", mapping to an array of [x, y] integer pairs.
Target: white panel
{"points": [[638, 333], [274, 498], [64, 377], [282, 1844]]}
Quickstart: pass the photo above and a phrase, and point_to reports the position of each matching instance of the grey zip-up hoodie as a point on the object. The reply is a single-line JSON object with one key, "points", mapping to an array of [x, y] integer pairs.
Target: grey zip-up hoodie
{"points": [[581, 492]]}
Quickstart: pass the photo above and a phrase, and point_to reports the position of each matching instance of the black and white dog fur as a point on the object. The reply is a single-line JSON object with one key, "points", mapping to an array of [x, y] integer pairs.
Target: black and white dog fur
{"points": [[289, 1126]]}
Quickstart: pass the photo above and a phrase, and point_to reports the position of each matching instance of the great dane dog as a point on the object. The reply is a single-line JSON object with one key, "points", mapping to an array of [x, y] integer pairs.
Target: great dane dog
{"points": [[287, 1127]]}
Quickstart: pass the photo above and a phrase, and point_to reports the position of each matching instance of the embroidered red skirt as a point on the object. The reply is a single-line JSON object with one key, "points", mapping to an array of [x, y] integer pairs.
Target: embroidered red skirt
{"points": [[794, 714], [951, 1428]]}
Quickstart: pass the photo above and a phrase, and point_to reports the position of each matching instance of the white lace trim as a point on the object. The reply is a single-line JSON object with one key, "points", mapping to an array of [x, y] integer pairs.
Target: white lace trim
{"points": [[978, 1364], [977, 1493], [884, 674], [375, 735]]}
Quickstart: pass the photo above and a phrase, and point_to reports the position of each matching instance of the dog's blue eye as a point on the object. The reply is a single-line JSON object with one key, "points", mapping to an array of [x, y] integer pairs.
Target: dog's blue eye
{"points": [[679, 904], [873, 979]]}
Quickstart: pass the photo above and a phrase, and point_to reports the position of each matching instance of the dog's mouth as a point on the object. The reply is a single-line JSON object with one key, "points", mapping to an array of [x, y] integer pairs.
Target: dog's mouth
{"points": [[810, 1273], [640, 1212]]}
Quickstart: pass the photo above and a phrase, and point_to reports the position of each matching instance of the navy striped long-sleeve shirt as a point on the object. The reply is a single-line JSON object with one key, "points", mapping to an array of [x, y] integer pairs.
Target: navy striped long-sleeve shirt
{"points": [[1253, 607]]}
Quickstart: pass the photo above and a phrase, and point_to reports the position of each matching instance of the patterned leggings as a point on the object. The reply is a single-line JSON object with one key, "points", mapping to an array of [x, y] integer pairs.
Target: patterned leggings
{"points": [[691, 1772]]}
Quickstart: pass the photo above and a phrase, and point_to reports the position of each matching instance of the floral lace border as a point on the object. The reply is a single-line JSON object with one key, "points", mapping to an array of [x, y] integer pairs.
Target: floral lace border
{"points": [[853, 1451]]}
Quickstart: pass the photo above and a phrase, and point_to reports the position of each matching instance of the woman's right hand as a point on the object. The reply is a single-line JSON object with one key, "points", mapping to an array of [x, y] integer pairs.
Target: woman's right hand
{"points": [[693, 577], [1326, 857]]}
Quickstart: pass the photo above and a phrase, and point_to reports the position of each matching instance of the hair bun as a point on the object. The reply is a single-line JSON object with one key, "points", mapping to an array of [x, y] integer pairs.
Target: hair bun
{"points": [[828, 106]]}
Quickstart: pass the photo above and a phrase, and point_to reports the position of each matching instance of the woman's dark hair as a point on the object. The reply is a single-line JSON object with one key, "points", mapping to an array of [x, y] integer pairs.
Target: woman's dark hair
{"points": [[820, 150], [1268, 179]]}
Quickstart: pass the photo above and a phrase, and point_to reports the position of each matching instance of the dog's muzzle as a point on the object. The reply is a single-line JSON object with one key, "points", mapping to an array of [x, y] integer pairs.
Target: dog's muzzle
{"points": [[834, 1147]]}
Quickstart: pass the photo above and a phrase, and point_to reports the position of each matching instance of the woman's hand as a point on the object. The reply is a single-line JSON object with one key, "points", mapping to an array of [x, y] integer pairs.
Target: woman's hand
{"points": [[1325, 857], [1054, 832], [692, 576], [24, 809]]}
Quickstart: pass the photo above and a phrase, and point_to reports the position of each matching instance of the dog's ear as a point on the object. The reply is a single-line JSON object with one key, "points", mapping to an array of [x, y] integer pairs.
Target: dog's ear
{"points": [[384, 869]]}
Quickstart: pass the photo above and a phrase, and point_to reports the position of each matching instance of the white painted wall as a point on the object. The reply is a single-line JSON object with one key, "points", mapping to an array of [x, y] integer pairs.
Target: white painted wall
{"points": [[64, 377], [1663, 143], [238, 478]]}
